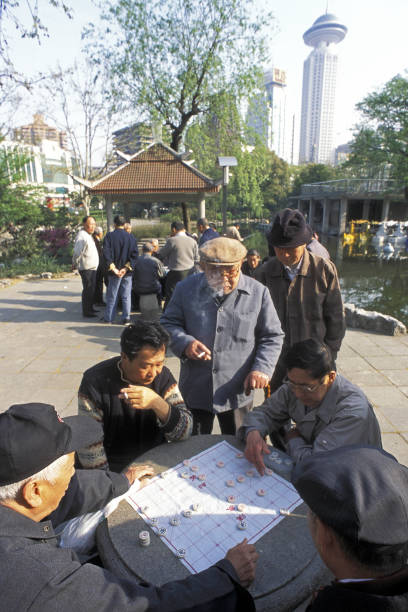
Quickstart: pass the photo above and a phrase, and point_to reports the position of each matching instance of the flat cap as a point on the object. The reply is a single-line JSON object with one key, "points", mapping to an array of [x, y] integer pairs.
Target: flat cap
{"points": [[32, 436], [361, 492], [289, 229], [222, 252]]}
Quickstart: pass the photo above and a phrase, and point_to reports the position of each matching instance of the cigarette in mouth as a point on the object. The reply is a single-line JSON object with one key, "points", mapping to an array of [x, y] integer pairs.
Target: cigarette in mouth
{"points": [[200, 355]]}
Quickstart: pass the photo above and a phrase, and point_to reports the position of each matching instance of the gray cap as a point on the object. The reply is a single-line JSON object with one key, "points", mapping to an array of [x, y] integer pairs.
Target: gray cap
{"points": [[222, 252], [361, 492]]}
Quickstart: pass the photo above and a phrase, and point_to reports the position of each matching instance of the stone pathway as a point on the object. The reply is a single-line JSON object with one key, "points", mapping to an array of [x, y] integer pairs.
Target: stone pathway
{"points": [[45, 345]]}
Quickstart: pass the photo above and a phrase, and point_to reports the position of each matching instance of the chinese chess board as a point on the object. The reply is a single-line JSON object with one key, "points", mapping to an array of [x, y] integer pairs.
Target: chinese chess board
{"points": [[210, 515]]}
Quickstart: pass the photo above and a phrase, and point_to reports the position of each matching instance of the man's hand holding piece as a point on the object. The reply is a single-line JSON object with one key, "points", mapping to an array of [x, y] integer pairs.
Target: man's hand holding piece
{"points": [[255, 448], [243, 557], [139, 472]]}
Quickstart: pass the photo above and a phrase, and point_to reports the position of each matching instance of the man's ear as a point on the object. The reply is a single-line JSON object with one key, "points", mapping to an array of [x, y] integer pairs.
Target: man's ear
{"points": [[32, 493], [332, 375]]}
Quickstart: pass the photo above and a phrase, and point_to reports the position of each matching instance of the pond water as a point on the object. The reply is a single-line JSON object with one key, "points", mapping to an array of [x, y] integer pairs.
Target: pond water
{"points": [[366, 281]]}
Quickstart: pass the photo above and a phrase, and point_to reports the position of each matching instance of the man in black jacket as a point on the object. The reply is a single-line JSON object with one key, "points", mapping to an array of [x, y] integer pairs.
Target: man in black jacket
{"points": [[39, 489], [358, 500]]}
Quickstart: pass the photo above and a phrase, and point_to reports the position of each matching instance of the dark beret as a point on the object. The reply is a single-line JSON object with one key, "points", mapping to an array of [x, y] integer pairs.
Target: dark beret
{"points": [[222, 252], [361, 492], [289, 229]]}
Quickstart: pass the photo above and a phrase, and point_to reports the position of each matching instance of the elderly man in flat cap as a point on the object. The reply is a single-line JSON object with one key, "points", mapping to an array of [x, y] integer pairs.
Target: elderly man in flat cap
{"points": [[224, 328], [304, 288], [358, 518], [39, 489]]}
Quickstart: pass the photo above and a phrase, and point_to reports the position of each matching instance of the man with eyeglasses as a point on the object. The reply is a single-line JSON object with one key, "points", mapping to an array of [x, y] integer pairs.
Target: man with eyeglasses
{"points": [[225, 329], [327, 410]]}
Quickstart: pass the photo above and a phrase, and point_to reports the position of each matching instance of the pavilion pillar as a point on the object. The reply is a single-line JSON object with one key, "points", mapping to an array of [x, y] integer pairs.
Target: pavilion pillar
{"points": [[385, 210], [109, 212], [311, 212], [366, 209], [326, 215], [126, 211], [343, 216], [201, 209]]}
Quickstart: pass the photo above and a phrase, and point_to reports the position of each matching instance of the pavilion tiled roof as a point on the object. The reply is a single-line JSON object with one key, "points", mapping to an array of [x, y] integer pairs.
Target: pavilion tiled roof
{"points": [[157, 169]]}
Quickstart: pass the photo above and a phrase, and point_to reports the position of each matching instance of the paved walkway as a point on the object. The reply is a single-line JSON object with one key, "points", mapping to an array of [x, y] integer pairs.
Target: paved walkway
{"points": [[45, 345]]}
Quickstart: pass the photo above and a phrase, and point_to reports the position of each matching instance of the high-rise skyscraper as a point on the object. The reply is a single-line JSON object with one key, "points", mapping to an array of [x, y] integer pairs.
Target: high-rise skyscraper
{"points": [[319, 90], [266, 114]]}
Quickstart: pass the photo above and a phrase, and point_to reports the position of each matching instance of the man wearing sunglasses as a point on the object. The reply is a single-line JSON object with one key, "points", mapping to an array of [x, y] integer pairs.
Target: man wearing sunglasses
{"points": [[327, 410]]}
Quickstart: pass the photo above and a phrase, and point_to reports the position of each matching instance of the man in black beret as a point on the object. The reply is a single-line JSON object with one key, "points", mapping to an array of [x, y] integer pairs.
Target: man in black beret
{"points": [[304, 288], [39, 489], [358, 518]]}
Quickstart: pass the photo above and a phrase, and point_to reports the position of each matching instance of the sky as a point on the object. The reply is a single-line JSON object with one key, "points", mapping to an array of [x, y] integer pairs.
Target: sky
{"points": [[374, 50]]}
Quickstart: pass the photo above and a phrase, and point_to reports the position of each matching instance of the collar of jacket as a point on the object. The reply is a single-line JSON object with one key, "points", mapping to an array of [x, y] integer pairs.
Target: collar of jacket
{"points": [[276, 268], [14, 524], [329, 405]]}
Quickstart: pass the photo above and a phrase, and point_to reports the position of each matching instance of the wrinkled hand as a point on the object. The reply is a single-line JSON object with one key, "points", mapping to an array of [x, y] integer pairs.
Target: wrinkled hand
{"points": [[139, 472], [243, 557], [255, 380], [138, 397], [255, 448], [122, 272], [195, 349]]}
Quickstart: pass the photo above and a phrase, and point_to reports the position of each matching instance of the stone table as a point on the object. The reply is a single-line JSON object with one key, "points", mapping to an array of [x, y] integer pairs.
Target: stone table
{"points": [[289, 567]]}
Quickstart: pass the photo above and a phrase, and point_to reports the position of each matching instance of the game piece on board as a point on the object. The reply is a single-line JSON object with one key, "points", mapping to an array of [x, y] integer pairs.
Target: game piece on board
{"points": [[186, 462], [187, 513], [261, 492], [180, 553], [175, 521], [250, 473], [241, 507], [194, 468], [195, 507], [230, 483], [274, 454], [240, 478], [162, 531], [268, 471], [231, 499], [240, 455], [201, 477], [185, 475], [220, 464], [242, 525], [144, 538], [154, 521], [278, 460]]}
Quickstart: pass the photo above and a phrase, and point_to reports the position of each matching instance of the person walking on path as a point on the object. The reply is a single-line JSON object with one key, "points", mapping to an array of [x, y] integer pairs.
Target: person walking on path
{"points": [[85, 258], [180, 254], [120, 253]]}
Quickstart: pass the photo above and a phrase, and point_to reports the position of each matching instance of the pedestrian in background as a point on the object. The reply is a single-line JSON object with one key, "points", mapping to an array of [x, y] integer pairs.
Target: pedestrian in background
{"points": [[85, 259], [120, 253]]}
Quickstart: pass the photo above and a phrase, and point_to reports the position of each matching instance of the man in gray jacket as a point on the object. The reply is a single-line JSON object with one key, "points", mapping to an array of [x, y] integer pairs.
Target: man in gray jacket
{"points": [[180, 254], [225, 329], [39, 489]]}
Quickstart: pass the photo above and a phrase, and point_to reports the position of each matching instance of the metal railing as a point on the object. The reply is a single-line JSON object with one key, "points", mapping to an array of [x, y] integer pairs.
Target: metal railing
{"points": [[354, 186]]}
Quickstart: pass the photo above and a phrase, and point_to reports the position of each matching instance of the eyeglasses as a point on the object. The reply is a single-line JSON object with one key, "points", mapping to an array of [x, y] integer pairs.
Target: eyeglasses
{"points": [[302, 387], [230, 271]]}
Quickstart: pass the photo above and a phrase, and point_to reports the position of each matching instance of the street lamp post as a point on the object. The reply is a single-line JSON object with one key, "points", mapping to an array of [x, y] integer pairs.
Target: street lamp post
{"points": [[225, 163]]}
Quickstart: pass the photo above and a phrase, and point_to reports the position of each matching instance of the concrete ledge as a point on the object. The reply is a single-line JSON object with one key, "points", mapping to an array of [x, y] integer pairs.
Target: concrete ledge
{"points": [[371, 320]]}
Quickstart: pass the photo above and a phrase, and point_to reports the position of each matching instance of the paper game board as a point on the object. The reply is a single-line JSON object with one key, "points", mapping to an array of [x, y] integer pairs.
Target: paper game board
{"points": [[200, 516]]}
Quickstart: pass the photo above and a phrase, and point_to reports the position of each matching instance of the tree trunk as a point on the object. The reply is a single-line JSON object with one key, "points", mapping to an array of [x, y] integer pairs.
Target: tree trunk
{"points": [[186, 216]]}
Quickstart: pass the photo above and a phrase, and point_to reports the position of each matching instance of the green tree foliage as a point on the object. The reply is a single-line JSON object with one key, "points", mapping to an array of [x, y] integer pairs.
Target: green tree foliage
{"points": [[312, 173], [169, 58], [380, 145]]}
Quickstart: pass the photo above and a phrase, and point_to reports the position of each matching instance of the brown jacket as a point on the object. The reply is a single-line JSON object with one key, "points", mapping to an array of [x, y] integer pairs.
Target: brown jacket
{"points": [[309, 306]]}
